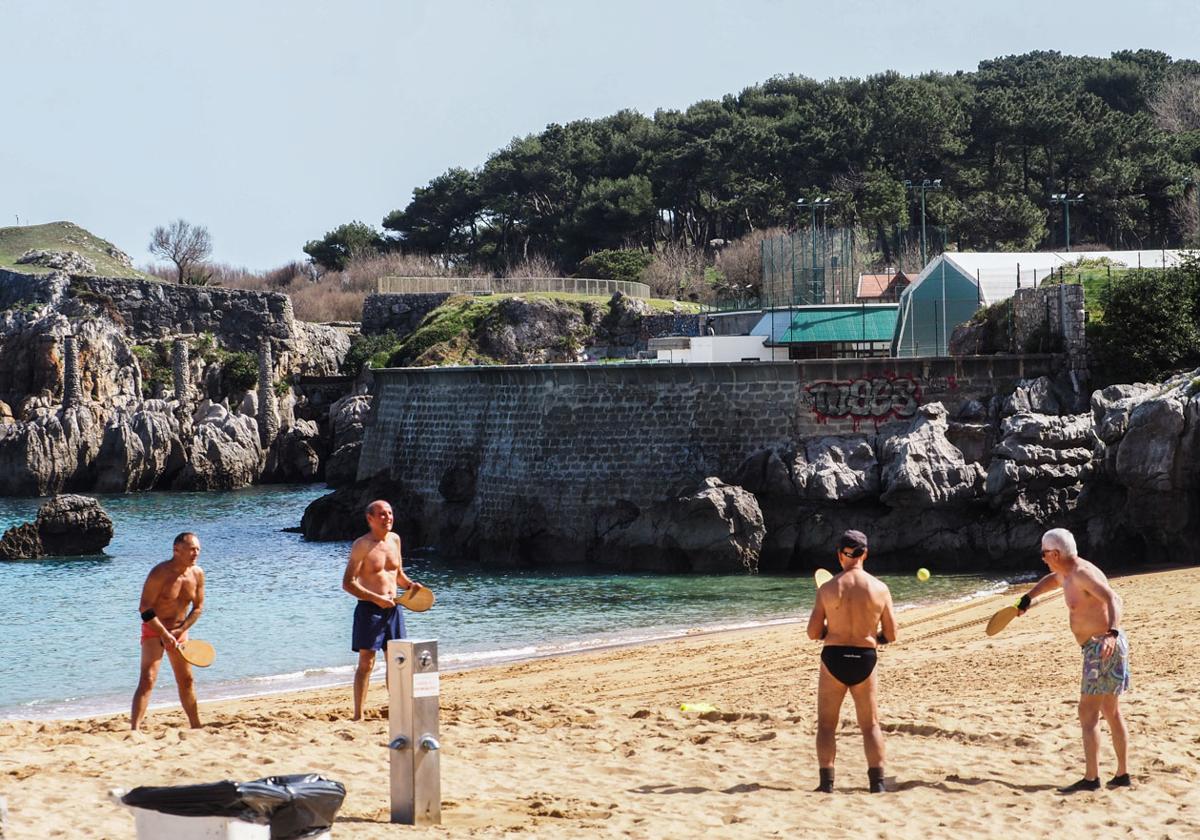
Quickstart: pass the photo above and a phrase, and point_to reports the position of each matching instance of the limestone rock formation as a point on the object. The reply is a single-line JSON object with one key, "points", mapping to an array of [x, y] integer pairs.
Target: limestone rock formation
{"points": [[73, 525], [142, 449], [21, 542], [295, 455], [836, 468], [533, 331], [717, 528], [225, 451], [66, 525], [921, 468], [341, 515], [346, 419], [68, 261]]}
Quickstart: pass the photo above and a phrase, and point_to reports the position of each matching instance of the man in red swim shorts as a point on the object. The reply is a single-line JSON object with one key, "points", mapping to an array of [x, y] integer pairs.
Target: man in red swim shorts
{"points": [[172, 599]]}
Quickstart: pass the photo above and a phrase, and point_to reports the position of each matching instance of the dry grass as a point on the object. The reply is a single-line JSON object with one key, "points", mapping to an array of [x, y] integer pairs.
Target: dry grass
{"points": [[535, 267], [338, 295]]}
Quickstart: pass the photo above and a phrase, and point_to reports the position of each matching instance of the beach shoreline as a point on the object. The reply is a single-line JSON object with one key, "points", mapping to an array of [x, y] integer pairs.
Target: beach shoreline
{"points": [[594, 743], [320, 676]]}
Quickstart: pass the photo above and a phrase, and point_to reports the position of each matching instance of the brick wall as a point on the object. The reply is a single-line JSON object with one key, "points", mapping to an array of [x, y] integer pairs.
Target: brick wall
{"points": [[577, 438]]}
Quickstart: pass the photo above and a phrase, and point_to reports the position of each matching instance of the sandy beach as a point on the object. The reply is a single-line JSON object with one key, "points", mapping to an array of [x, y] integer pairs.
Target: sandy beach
{"points": [[979, 733]]}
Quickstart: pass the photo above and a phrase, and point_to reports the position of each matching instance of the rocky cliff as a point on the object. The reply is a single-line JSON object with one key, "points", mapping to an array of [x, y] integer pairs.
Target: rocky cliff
{"points": [[115, 385]]}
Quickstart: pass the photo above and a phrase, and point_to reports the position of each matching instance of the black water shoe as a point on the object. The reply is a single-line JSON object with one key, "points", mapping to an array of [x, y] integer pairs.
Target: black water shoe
{"points": [[1081, 785], [1119, 781]]}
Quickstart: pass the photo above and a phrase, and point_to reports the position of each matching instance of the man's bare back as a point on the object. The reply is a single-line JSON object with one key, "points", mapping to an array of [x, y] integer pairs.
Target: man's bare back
{"points": [[854, 603], [847, 614]]}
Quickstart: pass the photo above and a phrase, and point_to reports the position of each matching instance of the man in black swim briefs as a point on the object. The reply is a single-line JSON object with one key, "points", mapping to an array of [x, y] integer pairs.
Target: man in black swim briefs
{"points": [[848, 614]]}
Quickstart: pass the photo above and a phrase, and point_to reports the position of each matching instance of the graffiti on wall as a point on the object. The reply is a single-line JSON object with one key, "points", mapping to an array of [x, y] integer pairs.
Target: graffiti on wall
{"points": [[876, 399]]}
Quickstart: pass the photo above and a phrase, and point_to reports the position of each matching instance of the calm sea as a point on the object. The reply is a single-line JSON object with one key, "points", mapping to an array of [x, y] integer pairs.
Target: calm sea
{"points": [[277, 615]]}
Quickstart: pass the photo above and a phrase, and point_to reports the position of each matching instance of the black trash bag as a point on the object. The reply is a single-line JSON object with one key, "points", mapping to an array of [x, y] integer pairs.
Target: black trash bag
{"points": [[311, 808], [294, 806]]}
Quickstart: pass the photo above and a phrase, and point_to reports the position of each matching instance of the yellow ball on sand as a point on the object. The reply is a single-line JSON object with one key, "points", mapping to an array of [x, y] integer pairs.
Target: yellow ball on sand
{"points": [[922, 575]]}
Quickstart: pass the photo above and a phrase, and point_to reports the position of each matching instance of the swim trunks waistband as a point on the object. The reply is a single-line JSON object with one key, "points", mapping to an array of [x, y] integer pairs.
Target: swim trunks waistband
{"points": [[148, 632]]}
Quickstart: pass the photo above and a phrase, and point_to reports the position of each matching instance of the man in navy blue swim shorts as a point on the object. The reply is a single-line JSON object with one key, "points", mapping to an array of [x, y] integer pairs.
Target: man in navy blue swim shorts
{"points": [[373, 576]]}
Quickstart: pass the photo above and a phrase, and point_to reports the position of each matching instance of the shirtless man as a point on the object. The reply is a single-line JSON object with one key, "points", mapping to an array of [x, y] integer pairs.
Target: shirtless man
{"points": [[373, 575], [1095, 614], [172, 600], [847, 614]]}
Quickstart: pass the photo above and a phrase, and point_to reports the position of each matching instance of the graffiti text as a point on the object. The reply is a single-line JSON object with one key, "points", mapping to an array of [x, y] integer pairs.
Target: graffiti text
{"points": [[878, 399]]}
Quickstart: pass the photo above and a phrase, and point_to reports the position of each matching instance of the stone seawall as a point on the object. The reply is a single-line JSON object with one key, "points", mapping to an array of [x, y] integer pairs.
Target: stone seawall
{"points": [[563, 446]]}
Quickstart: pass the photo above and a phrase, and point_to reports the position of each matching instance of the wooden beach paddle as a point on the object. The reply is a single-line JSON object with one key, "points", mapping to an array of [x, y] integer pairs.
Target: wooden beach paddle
{"points": [[197, 652], [1001, 619], [417, 598]]}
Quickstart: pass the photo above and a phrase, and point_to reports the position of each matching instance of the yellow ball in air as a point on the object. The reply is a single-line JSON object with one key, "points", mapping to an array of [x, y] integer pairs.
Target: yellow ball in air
{"points": [[922, 575]]}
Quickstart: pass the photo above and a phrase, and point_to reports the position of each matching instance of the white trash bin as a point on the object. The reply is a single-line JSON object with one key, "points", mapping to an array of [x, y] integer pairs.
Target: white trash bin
{"points": [[153, 825]]}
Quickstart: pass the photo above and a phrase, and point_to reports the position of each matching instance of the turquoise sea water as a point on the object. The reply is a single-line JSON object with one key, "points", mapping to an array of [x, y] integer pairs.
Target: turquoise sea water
{"points": [[276, 613]]}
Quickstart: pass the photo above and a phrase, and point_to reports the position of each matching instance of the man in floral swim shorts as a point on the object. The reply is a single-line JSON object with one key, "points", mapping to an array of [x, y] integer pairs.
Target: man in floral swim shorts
{"points": [[1095, 614]]}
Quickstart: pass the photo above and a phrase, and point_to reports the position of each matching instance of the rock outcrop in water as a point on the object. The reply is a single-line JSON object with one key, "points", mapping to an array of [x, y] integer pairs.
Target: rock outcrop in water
{"points": [[67, 525]]}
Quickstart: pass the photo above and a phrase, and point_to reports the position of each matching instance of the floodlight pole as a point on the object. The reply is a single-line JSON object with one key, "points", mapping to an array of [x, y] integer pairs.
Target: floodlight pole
{"points": [[923, 186], [1066, 201]]}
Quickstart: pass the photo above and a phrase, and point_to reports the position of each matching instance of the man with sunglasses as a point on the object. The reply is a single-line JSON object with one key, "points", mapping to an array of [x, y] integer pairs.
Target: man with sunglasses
{"points": [[1095, 616], [847, 614]]}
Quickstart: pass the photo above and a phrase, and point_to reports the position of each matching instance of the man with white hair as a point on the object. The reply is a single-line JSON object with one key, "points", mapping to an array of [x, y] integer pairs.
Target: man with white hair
{"points": [[1095, 615]]}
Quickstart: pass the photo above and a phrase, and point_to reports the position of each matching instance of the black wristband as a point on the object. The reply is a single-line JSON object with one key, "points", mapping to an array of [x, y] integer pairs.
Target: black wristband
{"points": [[1025, 602], [1114, 632], [147, 615], [883, 639]]}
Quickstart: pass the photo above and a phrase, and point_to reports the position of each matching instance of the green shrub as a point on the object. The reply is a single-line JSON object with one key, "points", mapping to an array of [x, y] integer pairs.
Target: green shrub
{"points": [[366, 349], [1150, 324], [997, 321], [621, 264], [154, 365], [239, 373]]}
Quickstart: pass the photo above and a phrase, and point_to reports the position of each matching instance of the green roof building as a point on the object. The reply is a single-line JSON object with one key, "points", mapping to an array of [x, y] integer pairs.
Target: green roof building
{"points": [[845, 331]]}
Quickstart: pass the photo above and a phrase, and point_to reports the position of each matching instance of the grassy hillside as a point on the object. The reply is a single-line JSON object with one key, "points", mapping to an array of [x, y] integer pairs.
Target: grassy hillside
{"points": [[61, 236]]}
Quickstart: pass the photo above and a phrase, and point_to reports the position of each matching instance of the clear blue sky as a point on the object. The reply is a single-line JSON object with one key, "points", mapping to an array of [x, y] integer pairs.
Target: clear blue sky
{"points": [[273, 121]]}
